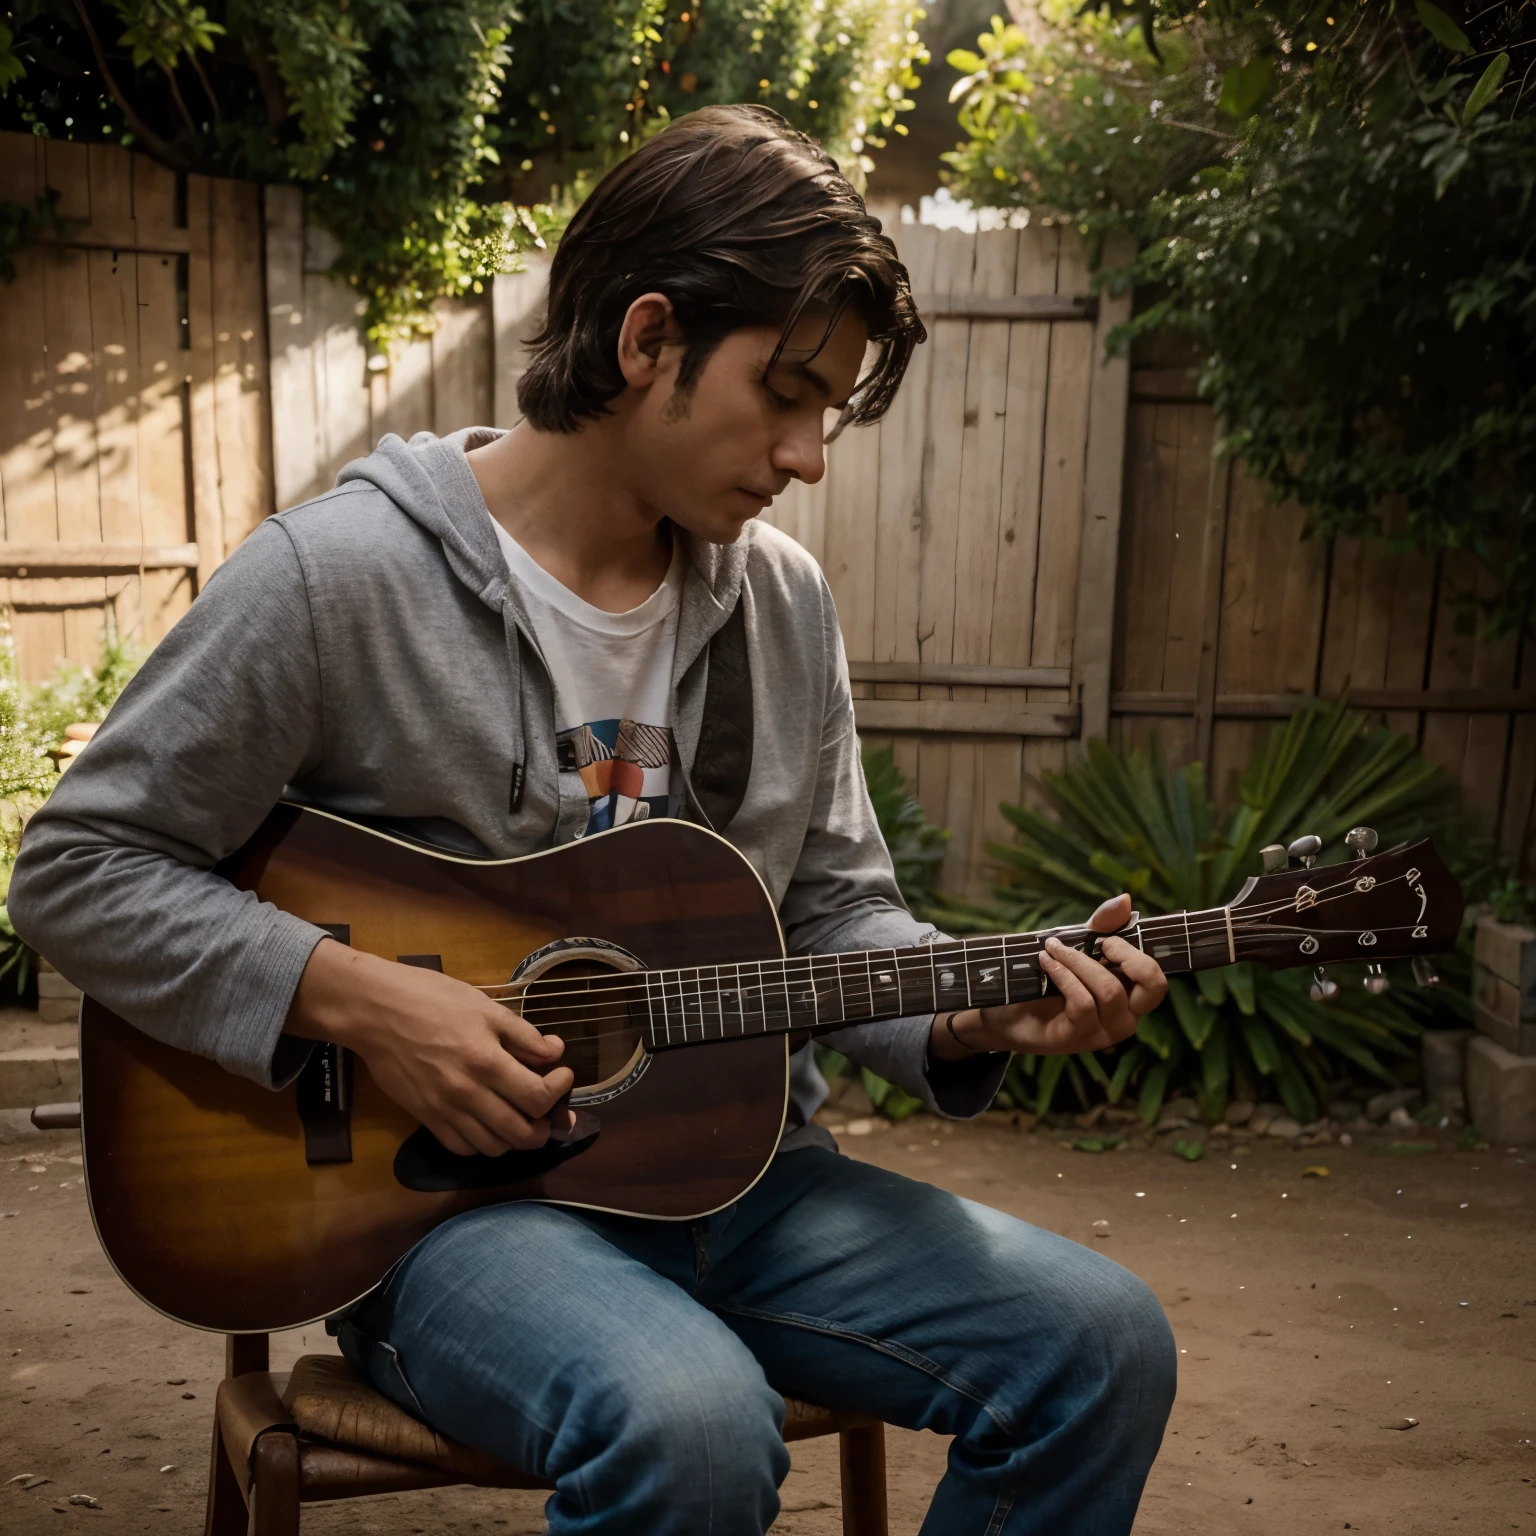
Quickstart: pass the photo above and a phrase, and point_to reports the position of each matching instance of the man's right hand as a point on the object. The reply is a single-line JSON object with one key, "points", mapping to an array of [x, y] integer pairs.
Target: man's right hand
{"points": [[476, 1074]]}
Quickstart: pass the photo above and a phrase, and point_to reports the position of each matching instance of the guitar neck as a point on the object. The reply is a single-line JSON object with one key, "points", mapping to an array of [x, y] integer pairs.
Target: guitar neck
{"points": [[822, 992]]}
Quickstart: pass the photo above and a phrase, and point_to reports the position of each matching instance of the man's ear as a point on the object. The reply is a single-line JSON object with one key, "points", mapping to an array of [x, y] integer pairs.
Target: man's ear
{"points": [[649, 328]]}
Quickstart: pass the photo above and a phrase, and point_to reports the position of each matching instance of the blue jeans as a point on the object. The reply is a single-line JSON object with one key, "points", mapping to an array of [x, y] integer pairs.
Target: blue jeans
{"points": [[638, 1365]]}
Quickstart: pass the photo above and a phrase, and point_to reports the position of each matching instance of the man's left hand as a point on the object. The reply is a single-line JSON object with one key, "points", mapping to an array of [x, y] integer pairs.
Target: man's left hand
{"points": [[1094, 1010]]}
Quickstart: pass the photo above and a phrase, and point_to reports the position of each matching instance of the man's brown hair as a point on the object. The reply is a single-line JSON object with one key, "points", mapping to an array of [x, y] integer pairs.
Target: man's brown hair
{"points": [[740, 221]]}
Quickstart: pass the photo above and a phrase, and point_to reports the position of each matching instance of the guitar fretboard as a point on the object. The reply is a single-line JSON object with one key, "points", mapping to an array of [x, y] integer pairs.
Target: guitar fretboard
{"points": [[819, 992]]}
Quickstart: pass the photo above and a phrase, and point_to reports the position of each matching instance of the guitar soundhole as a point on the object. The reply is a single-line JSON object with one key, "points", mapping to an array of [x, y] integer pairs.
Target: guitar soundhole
{"points": [[589, 1005]]}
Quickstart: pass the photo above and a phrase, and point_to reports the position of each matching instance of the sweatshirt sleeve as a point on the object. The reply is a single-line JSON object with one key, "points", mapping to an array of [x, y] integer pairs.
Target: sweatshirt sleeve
{"points": [[114, 882], [843, 896]]}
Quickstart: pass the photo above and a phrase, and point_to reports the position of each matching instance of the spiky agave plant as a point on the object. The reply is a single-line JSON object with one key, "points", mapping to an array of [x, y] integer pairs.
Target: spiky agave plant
{"points": [[1128, 821]]}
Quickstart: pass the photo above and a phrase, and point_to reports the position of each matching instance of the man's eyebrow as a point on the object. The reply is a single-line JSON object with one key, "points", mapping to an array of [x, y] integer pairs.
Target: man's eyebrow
{"points": [[817, 379]]}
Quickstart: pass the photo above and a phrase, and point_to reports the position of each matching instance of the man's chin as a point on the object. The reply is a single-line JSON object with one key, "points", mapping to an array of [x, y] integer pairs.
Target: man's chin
{"points": [[719, 528]]}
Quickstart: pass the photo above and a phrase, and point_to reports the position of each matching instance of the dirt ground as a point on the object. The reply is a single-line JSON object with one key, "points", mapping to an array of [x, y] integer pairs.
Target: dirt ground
{"points": [[1315, 1316]]}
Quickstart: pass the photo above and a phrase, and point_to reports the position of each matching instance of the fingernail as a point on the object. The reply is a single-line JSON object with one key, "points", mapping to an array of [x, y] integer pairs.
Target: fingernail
{"points": [[584, 1124]]}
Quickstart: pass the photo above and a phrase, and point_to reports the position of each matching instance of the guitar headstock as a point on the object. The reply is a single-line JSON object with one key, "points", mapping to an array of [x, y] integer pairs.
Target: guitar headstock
{"points": [[1385, 906]]}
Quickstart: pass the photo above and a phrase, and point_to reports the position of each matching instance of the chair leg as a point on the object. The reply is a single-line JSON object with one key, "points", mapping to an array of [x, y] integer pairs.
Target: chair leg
{"points": [[862, 1453], [245, 1352], [275, 1486], [226, 1504]]}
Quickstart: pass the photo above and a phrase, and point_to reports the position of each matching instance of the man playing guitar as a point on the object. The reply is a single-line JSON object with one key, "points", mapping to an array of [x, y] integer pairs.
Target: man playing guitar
{"points": [[499, 642]]}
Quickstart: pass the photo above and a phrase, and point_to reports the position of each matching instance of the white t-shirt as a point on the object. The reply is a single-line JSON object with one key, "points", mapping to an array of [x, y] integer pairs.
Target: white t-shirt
{"points": [[613, 686]]}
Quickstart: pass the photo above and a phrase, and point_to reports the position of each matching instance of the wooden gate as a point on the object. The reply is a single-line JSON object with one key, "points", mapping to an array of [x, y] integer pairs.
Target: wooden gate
{"points": [[970, 539], [134, 430]]}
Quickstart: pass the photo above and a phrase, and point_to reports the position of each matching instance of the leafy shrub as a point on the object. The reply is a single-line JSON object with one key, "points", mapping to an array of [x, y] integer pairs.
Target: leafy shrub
{"points": [[1337, 206], [1127, 821], [407, 121], [916, 845], [32, 723]]}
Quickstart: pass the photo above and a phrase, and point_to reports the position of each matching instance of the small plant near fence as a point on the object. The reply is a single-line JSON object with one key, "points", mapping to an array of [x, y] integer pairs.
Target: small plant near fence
{"points": [[32, 725], [1130, 821]]}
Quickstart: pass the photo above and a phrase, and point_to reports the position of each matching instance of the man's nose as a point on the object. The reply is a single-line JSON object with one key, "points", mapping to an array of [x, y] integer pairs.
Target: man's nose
{"points": [[801, 452]]}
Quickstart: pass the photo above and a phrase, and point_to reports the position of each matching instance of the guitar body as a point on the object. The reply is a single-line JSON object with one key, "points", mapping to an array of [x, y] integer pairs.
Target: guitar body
{"points": [[199, 1181]]}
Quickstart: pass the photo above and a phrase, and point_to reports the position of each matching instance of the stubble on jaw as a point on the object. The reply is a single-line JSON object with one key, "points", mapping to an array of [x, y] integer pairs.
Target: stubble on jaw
{"points": [[677, 407]]}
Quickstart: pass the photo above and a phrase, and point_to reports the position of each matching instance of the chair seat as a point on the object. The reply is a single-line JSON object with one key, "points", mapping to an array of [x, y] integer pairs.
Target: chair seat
{"points": [[354, 1440]]}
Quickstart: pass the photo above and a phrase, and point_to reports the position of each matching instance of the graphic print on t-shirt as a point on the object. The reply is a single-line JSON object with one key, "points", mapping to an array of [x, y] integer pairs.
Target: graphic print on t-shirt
{"points": [[613, 687], [619, 761]]}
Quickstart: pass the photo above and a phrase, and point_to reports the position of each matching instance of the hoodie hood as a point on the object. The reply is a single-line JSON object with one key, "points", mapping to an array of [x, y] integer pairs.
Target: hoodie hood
{"points": [[430, 480]]}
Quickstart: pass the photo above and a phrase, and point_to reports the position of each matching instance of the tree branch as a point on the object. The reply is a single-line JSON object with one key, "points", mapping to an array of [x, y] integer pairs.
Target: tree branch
{"points": [[162, 149]]}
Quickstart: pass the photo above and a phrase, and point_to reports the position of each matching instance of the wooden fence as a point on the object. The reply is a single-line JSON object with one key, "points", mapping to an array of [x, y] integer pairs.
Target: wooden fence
{"points": [[1033, 548], [134, 428], [1227, 611]]}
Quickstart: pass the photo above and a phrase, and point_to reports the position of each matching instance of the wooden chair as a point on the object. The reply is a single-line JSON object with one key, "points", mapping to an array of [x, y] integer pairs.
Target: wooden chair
{"points": [[285, 1439]]}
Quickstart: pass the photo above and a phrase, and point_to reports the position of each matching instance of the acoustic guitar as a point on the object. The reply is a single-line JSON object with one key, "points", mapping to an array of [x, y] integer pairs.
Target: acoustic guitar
{"points": [[655, 952]]}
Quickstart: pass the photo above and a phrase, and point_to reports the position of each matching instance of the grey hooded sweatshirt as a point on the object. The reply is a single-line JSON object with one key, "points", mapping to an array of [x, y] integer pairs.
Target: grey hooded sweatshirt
{"points": [[367, 652]]}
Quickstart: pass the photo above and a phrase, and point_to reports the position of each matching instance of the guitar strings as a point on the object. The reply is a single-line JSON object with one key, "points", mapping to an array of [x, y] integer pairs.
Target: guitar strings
{"points": [[1172, 925], [622, 987], [905, 963]]}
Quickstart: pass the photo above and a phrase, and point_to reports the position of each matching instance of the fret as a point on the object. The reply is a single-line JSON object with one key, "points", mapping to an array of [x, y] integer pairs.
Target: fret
{"points": [[886, 993], [951, 980], [820, 992], [987, 973]]}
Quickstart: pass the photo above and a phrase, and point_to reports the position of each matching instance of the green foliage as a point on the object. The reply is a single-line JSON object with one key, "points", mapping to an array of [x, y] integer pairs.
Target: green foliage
{"points": [[1127, 821], [840, 70], [916, 845], [409, 121], [74, 694], [32, 722], [1338, 207]]}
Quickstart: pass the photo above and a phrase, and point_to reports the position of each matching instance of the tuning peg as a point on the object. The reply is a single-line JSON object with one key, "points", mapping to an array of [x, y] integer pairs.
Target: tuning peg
{"points": [[1424, 972], [1361, 841], [1273, 857], [1376, 981], [1304, 851], [1324, 988]]}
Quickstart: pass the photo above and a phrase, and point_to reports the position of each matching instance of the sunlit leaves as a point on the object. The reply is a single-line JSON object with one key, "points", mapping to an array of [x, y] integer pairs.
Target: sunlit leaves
{"points": [[1244, 86]]}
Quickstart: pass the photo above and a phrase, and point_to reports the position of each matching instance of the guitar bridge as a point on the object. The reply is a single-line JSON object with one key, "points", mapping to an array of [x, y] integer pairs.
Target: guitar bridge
{"points": [[324, 1092]]}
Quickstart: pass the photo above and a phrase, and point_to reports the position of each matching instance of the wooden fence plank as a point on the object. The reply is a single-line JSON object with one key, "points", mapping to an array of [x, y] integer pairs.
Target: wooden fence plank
{"points": [[951, 343], [517, 312], [900, 511], [202, 413], [1213, 556], [849, 539], [241, 388], [161, 456], [1018, 544], [1146, 548], [294, 407], [946, 784], [1453, 656], [1092, 643], [982, 446], [462, 374], [1061, 500], [72, 363]]}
